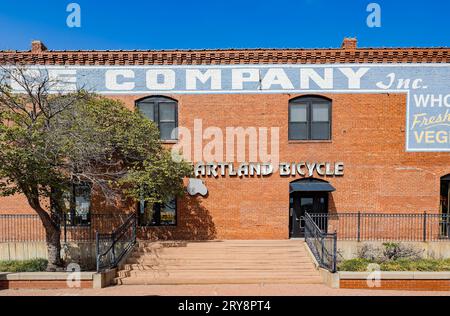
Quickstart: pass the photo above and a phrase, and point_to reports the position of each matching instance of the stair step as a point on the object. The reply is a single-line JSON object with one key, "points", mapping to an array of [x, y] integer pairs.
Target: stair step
{"points": [[208, 245], [194, 266], [296, 247], [220, 274], [218, 256], [218, 250], [221, 269], [229, 249], [217, 280], [220, 253], [180, 263], [156, 260], [229, 262], [256, 242], [219, 262], [220, 259]]}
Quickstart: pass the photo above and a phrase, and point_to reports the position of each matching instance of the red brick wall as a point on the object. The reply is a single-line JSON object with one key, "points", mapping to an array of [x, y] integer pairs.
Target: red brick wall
{"points": [[405, 285], [40, 284], [368, 135]]}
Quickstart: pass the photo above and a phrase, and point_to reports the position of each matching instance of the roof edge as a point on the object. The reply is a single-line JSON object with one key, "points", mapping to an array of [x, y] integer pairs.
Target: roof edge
{"points": [[348, 53], [348, 43]]}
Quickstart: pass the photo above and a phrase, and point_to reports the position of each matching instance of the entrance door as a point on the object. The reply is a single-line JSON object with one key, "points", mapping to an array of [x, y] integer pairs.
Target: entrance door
{"points": [[301, 202]]}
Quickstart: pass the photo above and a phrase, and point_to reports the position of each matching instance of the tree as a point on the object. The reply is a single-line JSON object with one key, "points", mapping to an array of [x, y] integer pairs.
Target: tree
{"points": [[51, 137]]}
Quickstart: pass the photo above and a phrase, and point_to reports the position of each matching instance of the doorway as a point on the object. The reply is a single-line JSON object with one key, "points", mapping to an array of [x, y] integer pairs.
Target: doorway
{"points": [[301, 202], [311, 196]]}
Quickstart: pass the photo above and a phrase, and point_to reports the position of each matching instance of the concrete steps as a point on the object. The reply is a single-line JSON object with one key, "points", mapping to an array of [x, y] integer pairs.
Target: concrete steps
{"points": [[191, 266], [195, 260], [217, 262], [215, 280]]}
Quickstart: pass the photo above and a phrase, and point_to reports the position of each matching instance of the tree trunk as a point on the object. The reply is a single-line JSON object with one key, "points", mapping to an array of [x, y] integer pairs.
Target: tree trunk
{"points": [[53, 248], [52, 237]]}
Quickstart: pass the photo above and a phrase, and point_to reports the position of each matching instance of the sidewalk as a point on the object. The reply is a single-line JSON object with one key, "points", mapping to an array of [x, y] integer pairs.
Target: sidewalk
{"points": [[218, 290]]}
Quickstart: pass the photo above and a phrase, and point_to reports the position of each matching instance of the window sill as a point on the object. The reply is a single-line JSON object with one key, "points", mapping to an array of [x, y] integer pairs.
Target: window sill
{"points": [[169, 141], [327, 141]]}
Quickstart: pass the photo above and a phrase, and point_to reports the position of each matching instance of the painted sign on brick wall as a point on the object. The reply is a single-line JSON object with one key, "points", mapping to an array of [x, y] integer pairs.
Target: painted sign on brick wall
{"points": [[427, 87]]}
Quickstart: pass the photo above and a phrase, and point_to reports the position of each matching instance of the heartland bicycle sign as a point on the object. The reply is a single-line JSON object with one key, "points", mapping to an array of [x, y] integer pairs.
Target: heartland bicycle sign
{"points": [[427, 86]]}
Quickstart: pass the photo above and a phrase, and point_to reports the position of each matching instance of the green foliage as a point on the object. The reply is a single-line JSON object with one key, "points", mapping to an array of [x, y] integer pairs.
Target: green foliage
{"points": [[393, 257], [33, 265], [429, 265], [358, 264], [154, 176], [93, 139], [50, 140]]}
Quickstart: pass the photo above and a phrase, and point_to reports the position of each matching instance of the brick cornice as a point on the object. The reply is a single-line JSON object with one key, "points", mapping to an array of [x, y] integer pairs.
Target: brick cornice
{"points": [[229, 56]]}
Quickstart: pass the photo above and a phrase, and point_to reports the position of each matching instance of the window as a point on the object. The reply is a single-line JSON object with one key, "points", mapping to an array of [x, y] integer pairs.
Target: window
{"points": [[77, 204], [163, 111], [310, 118], [158, 214]]}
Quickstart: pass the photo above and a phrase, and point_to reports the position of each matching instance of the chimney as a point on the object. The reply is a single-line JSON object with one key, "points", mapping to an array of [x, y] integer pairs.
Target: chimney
{"points": [[38, 47], [349, 43]]}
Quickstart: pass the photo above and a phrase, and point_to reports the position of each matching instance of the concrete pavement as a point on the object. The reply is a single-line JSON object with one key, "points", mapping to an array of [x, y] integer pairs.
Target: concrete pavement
{"points": [[218, 290]]}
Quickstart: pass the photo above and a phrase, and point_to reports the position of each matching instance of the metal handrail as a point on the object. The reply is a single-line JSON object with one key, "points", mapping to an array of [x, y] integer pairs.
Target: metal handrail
{"points": [[323, 245], [124, 236]]}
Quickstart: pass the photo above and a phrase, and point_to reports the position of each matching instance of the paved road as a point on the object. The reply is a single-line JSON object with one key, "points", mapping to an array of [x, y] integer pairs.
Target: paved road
{"points": [[216, 290]]}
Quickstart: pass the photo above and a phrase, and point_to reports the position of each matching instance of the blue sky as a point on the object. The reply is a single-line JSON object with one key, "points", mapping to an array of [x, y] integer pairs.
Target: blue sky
{"points": [[158, 24]]}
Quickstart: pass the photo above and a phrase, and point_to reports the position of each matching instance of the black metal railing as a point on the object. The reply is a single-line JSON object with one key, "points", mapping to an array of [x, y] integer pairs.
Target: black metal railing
{"points": [[21, 227], [111, 248], [323, 245], [362, 226], [358, 226], [72, 230], [29, 228]]}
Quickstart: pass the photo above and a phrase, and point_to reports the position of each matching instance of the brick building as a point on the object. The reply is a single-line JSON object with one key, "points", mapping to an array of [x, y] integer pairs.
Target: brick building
{"points": [[367, 129]]}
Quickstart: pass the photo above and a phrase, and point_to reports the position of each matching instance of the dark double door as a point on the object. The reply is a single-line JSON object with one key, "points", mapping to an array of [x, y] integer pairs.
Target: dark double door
{"points": [[301, 202]]}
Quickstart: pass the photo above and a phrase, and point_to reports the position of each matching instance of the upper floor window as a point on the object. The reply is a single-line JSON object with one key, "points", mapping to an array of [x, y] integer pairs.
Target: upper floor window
{"points": [[310, 118], [163, 111]]}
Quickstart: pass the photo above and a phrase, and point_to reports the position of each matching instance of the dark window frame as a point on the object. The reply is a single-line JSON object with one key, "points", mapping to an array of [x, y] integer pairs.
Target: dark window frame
{"points": [[73, 202], [308, 102], [157, 100], [71, 218], [157, 208]]}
